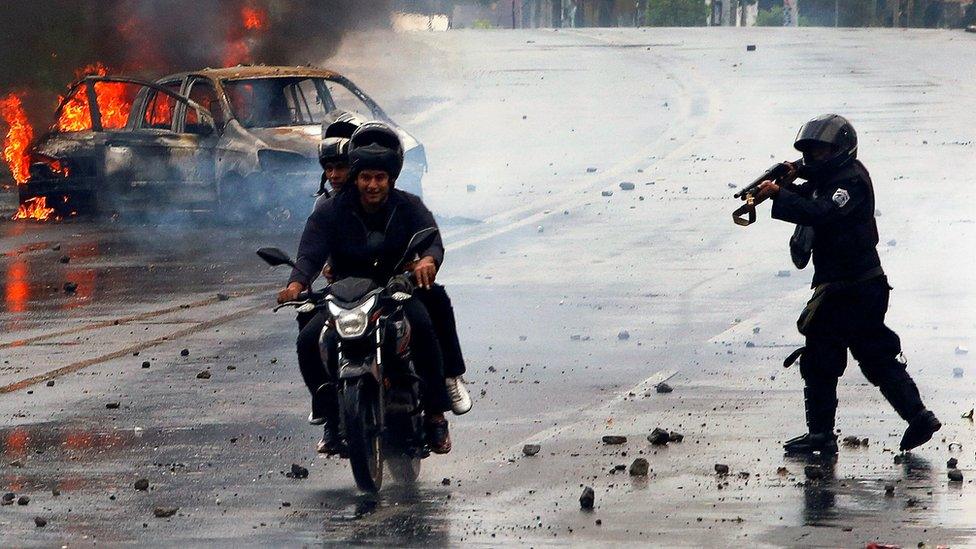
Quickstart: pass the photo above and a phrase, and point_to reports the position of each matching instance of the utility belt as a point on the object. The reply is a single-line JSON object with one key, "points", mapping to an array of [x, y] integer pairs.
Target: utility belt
{"points": [[827, 288], [820, 293]]}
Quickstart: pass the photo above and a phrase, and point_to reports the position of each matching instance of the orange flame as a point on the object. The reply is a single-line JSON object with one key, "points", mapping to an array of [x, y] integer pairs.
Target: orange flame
{"points": [[254, 21], [34, 208], [18, 138], [254, 18], [113, 104]]}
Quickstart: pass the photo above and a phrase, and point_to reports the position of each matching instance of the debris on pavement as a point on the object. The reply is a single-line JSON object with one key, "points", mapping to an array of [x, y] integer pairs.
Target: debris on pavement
{"points": [[614, 439], [204, 374], [587, 498], [165, 512], [531, 449], [40, 522], [659, 437], [626, 186], [297, 471], [639, 468], [141, 484], [721, 469], [955, 475], [663, 388], [623, 335]]}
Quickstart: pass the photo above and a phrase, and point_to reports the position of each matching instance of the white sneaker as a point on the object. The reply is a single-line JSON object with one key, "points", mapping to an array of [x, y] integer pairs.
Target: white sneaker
{"points": [[460, 399]]}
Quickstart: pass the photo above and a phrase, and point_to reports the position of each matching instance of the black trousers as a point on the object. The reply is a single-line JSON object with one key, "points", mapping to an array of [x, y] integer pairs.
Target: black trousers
{"points": [[441, 312], [423, 344], [853, 318]]}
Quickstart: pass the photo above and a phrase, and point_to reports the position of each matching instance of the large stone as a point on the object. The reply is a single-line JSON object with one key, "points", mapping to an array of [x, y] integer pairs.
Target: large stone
{"points": [[531, 449], [165, 512], [659, 437], [721, 469], [639, 468], [614, 439], [587, 498], [955, 475]]}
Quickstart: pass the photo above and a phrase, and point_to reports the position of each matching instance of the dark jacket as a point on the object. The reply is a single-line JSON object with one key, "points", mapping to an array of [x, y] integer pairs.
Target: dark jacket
{"points": [[840, 208], [339, 231]]}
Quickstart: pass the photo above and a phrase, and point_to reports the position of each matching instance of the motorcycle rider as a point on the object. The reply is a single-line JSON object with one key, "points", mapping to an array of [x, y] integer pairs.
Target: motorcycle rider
{"points": [[334, 158], [362, 231], [834, 212]]}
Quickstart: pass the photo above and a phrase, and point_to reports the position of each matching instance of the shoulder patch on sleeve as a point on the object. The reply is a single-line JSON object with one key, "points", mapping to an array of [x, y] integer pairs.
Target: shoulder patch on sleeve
{"points": [[841, 197]]}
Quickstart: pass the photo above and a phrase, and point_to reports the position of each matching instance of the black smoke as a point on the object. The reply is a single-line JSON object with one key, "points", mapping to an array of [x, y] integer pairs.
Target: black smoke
{"points": [[44, 42]]}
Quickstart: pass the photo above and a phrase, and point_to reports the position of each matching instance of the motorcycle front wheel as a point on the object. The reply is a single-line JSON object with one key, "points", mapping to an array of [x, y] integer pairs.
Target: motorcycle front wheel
{"points": [[361, 411]]}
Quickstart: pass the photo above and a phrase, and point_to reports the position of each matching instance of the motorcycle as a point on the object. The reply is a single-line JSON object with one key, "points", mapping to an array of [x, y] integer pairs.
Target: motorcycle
{"points": [[380, 413]]}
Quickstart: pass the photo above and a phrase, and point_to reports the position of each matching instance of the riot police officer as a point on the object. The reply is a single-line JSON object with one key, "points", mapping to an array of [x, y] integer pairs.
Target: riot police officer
{"points": [[834, 214]]}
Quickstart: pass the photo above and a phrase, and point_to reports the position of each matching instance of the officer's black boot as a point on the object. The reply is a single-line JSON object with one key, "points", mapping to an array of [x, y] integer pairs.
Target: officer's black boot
{"points": [[820, 402], [902, 394]]}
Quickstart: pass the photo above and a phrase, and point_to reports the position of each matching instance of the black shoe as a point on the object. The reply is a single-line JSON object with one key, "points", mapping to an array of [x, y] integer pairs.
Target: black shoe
{"points": [[331, 443], [824, 443], [920, 430], [438, 436]]}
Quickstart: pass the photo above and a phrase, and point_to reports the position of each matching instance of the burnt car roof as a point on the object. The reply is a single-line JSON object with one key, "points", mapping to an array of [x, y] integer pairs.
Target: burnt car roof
{"points": [[256, 71]]}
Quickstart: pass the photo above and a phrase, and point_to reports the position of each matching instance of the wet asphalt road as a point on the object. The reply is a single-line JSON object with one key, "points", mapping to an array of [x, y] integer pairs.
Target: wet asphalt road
{"points": [[545, 272]]}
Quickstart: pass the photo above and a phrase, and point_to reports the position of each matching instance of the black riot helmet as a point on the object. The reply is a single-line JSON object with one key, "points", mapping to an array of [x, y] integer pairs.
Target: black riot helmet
{"points": [[375, 146], [344, 126], [333, 150], [831, 130]]}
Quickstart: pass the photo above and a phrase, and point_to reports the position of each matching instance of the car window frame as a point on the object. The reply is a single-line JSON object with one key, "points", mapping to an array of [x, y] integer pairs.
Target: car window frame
{"points": [[187, 87]]}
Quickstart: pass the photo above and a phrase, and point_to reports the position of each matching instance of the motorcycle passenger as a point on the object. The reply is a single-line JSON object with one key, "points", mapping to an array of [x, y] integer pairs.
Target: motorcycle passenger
{"points": [[363, 233], [334, 157]]}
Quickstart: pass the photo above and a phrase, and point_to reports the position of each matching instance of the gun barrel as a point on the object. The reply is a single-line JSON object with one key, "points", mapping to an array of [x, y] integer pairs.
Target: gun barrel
{"points": [[777, 171]]}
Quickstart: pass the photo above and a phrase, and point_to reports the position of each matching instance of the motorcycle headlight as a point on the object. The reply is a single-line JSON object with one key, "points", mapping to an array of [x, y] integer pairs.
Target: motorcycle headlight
{"points": [[351, 323]]}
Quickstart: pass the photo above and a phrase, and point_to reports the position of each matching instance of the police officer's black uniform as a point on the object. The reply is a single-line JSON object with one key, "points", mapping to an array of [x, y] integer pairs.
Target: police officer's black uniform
{"points": [[834, 211]]}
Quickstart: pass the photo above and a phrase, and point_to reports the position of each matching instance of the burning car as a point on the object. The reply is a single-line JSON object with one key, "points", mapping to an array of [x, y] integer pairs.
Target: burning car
{"points": [[240, 140]]}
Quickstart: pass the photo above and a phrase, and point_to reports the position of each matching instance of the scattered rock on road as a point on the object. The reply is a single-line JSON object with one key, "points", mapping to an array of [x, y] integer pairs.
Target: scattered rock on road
{"points": [[531, 449], [889, 490], [606, 193], [626, 186], [70, 288], [40, 522], [614, 439], [623, 335], [145, 363], [165, 512], [659, 437], [23, 500], [141, 484], [185, 352], [952, 463], [113, 405], [587, 498], [955, 475], [639, 468], [663, 388], [297, 471], [721, 469], [675, 436], [205, 374]]}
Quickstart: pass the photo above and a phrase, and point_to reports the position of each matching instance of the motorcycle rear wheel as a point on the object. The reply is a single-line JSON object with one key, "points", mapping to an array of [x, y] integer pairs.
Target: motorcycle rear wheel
{"points": [[361, 412]]}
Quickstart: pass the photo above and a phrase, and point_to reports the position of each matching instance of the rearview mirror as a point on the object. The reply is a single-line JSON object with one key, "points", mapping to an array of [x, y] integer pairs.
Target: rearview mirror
{"points": [[275, 257], [420, 241]]}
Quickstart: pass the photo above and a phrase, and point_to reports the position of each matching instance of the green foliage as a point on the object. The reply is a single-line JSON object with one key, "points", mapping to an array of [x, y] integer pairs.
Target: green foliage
{"points": [[676, 13], [772, 17], [481, 24]]}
